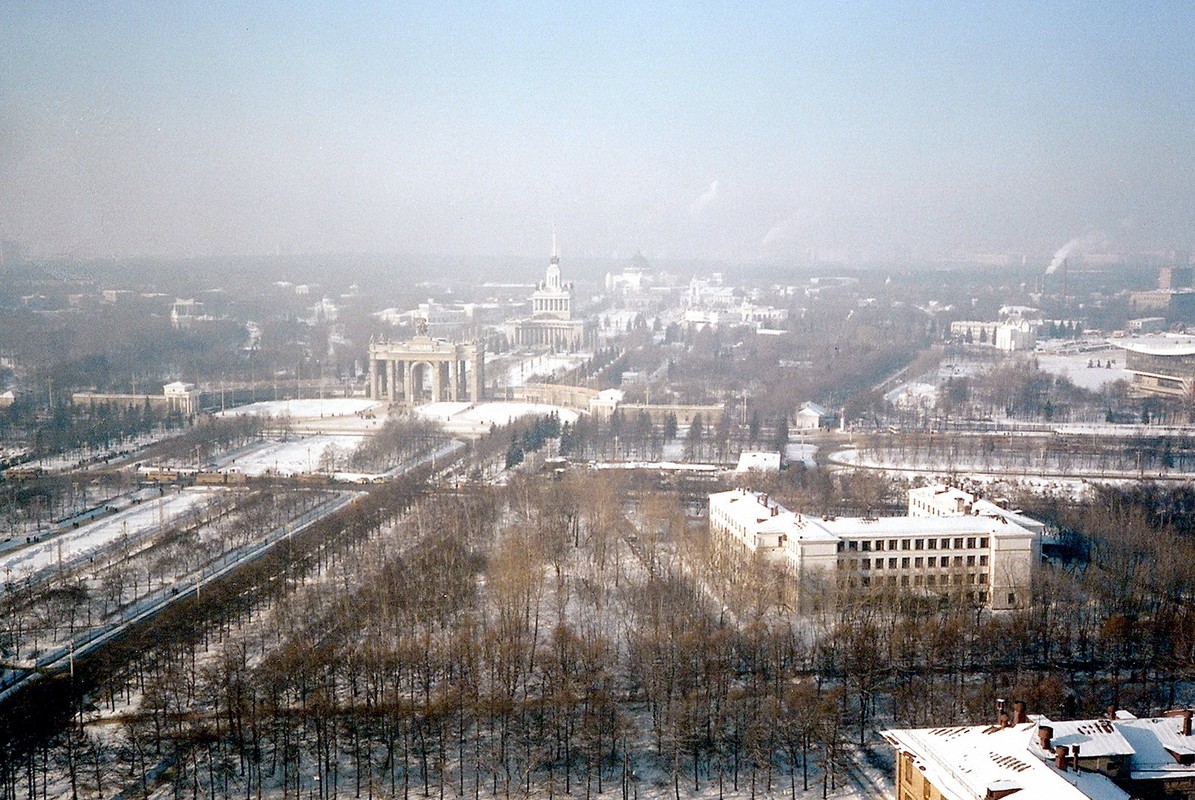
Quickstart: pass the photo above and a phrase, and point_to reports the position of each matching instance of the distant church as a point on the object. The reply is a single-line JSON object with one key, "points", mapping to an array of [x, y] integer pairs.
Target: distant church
{"points": [[551, 323]]}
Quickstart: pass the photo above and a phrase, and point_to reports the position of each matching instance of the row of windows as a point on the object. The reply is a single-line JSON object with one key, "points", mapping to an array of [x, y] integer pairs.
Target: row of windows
{"points": [[956, 543], [972, 579], [918, 562], [551, 305]]}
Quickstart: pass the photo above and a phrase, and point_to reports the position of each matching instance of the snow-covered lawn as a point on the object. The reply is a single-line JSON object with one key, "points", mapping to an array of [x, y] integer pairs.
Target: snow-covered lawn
{"points": [[1074, 366], [312, 408], [526, 370], [294, 456], [477, 419]]}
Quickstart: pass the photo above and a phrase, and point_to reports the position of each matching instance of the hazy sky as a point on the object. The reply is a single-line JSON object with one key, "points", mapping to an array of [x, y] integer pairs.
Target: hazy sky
{"points": [[720, 130]]}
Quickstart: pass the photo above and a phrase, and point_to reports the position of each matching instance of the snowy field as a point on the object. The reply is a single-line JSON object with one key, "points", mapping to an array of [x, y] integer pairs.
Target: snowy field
{"points": [[1074, 366], [332, 415], [294, 456], [476, 419], [529, 370], [93, 538], [797, 452]]}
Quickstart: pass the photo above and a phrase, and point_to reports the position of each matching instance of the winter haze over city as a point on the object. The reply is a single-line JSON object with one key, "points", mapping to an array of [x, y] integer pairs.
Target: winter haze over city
{"points": [[651, 400]]}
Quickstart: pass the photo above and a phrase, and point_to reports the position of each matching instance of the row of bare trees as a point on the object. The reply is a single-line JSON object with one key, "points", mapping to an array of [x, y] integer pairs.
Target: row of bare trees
{"points": [[582, 635]]}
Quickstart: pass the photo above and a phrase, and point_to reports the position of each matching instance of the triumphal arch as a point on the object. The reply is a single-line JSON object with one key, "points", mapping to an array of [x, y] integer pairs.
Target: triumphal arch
{"points": [[426, 370]]}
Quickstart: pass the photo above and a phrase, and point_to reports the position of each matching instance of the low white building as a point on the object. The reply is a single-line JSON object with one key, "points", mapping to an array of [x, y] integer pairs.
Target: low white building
{"points": [[810, 416], [985, 559]]}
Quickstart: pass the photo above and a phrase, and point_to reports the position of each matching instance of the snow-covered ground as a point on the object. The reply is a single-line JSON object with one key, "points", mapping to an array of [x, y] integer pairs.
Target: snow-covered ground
{"points": [[465, 418], [527, 370], [803, 453], [311, 408], [294, 456], [94, 537], [1074, 366]]}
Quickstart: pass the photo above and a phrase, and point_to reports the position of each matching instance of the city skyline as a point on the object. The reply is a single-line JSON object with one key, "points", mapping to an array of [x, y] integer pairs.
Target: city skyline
{"points": [[745, 134]]}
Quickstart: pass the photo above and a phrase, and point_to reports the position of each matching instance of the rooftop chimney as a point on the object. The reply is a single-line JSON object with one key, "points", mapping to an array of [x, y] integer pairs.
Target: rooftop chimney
{"points": [[1044, 734], [1075, 757], [1060, 757], [1018, 711], [1186, 722], [1112, 712]]}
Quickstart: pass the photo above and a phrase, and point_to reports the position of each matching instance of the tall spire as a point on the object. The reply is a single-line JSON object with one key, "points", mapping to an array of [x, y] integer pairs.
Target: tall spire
{"points": [[555, 252]]}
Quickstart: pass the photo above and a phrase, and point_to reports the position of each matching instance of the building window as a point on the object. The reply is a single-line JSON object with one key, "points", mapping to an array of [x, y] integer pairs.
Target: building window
{"points": [[919, 544], [1012, 598], [983, 541], [879, 563], [933, 561], [879, 544], [983, 561], [904, 544], [982, 578], [945, 544], [983, 597], [892, 563], [917, 580], [970, 542], [865, 563], [958, 561], [929, 580], [904, 580], [866, 582], [891, 544], [970, 561], [958, 543], [918, 561], [852, 546], [904, 562], [841, 546], [866, 547]]}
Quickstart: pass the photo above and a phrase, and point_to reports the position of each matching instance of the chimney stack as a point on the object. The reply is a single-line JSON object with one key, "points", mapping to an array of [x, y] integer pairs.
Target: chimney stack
{"points": [[1186, 722], [1075, 757], [1060, 757], [1044, 734], [1019, 715], [1000, 715], [1112, 712]]}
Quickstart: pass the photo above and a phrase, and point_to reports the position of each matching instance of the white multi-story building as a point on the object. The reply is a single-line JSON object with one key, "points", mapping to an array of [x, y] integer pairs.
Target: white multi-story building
{"points": [[985, 558]]}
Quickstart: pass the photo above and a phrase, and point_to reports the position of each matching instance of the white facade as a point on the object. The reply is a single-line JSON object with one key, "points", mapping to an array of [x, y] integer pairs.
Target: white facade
{"points": [[183, 397], [987, 558], [810, 416]]}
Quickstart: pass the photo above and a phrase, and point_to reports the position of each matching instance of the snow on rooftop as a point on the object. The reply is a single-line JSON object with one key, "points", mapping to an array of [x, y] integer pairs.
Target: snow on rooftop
{"points": [[1095, 737], [968, 762], [1160, 345]]}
